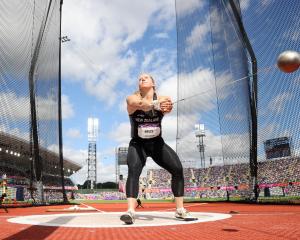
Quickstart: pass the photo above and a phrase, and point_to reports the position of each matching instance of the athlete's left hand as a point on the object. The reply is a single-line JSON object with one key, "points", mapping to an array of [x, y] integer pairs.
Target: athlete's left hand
{"points": [[166, 106]]}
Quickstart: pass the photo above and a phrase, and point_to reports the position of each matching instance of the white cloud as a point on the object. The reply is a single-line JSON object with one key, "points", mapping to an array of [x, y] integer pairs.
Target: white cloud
{"points": [[236, 147], [296, 80], [198, 100], [215, 147], [292, 33], [225, 81], [106, 173], [47, 108], [198, 97], [106, 168], [78, 156], [267, 131], [277, 104], [161, 35], [169, 127], [197, 90], [99, 56], [244, 4], [168, 87], [197, 37], [160, 63], [7, 129], [123, 106], [189, 153], [73, 133], [3, 128], [184, 7], [80, 176], [101, 39], [234, 116], [121, 132], [266, 2], [18, 107], [67, 107], [14, 107]]}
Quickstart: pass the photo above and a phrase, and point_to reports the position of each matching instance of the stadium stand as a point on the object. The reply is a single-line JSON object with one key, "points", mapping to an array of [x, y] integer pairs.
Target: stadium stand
{"points": [[281, 176], [16, 163]]}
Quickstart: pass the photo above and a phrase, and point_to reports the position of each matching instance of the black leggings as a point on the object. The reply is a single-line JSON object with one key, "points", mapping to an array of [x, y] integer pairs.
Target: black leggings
{"points": [[162, 154]]}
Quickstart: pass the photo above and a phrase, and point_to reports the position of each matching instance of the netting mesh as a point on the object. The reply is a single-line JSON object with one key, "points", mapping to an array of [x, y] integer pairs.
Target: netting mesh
{"points": [[273, 28], [215, 89], [29, 75]]}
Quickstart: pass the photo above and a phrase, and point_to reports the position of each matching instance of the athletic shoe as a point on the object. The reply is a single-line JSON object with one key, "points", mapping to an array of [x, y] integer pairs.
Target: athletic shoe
{"points": [[128, 217], [183, 214]]}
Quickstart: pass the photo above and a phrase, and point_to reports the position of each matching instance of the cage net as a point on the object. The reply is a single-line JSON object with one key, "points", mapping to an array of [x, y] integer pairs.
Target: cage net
{"points": [[29, 75], [274, 28], [216, 138]]}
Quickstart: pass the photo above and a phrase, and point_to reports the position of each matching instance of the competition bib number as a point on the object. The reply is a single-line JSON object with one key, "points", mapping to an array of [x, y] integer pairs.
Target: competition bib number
{"points": [[148, 130]]}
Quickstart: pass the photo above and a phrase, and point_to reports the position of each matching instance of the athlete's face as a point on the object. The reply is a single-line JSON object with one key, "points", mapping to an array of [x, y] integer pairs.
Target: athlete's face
{"points": [[145, 81]]}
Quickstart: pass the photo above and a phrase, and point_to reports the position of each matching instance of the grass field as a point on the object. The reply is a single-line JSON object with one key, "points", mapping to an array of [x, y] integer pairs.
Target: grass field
{"points": [[274, 200]]}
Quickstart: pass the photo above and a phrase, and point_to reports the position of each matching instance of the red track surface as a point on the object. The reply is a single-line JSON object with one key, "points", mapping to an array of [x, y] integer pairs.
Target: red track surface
{"points": [[251, 222]]}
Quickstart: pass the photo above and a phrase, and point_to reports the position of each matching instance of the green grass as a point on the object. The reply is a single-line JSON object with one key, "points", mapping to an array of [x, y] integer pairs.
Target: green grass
{"points": [[274, 200], [280, 200], [281, 197], [87, 191]]}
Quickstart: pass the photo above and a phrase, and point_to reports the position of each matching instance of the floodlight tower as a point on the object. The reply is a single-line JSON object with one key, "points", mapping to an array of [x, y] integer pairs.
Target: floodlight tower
{"points": [[200, 134], [93, 129]]}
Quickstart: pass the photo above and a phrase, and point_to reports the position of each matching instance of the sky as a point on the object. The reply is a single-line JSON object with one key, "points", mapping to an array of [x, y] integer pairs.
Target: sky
{"points": [[112, 42]]}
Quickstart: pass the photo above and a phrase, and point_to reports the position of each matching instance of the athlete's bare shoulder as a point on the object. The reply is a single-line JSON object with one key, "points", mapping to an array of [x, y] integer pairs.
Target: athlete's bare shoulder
{"points": [[132, 97], [133, 102]]}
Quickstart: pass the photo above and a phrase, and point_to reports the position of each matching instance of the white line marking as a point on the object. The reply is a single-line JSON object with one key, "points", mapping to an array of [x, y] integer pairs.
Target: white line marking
{"points": [[111, 219], [92, 207], [174, 208], [264, 214]]}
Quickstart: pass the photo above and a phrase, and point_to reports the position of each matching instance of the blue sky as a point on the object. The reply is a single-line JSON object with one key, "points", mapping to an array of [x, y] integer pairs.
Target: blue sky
{"points": [[112, 42]]}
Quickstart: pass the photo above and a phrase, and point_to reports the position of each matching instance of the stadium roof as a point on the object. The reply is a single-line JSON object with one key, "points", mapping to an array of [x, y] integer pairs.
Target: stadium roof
{"points": [[19, 149]]}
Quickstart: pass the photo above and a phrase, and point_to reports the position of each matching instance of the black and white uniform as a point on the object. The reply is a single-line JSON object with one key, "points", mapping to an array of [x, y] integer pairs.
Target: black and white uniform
{"points": [[147, 142]]}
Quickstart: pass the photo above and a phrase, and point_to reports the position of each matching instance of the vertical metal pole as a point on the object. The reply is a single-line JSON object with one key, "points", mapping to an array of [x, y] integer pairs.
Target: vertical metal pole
{"points": [[253, 100], [38, 162], [60, 141], [177, 105]]}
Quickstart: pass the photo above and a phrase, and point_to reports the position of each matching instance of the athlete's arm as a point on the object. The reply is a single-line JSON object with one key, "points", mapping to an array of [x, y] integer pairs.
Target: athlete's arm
{"points": [[134, 103]]}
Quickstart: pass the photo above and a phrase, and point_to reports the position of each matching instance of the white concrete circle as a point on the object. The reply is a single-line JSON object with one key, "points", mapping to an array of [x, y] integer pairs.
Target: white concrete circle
{"points": [[112, 219]]}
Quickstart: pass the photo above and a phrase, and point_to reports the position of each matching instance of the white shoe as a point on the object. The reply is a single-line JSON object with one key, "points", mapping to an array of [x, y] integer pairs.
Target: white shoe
{"points": [[183, 214], [128, 217]]}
